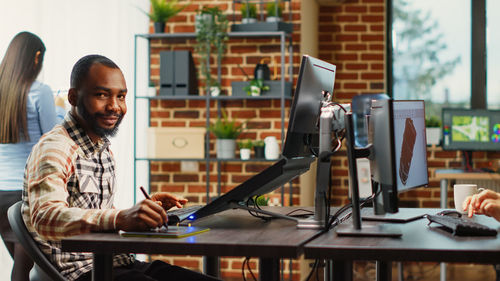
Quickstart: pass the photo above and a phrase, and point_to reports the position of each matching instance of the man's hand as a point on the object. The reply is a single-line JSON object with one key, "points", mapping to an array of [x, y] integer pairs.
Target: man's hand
{"points": [[168, 200], [142, 216], [487, 202]]}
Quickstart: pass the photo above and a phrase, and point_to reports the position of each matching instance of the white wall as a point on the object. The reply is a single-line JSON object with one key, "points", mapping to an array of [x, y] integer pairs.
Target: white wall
{"points": [[71, 29]]}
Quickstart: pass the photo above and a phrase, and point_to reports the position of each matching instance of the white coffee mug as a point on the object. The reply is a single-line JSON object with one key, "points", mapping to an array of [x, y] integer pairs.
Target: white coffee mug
{"points": [[462, 191]]}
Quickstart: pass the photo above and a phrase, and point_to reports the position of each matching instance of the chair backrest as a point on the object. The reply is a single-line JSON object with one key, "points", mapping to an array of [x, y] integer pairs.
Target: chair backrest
{"points": [[43, 269]]}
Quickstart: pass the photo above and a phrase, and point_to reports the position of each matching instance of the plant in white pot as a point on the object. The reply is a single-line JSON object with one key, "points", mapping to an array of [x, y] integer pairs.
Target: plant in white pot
{"points": [[256, 87], [248, 12], [433, 130], [274, 11], [226, 131], [245, 148], [161, 12]]}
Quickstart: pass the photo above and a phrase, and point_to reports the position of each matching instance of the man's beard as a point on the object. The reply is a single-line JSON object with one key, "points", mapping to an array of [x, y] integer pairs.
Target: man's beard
{"points": [[92, 121]]}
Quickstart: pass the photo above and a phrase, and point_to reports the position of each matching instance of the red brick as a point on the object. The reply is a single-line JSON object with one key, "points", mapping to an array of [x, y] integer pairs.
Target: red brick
{"points": [[372, 76], [357, 66], [186, 178], [346, 38], [379, 57], [368, 37], [347, 18]]}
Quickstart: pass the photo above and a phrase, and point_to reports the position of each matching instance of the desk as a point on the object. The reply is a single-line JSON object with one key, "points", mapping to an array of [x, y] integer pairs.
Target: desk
{"points": [[232, 233], [444, 176], [418, 243]]}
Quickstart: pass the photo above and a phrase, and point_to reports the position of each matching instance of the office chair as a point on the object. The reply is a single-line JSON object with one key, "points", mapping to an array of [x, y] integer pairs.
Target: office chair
{"points": [[43, 270]]}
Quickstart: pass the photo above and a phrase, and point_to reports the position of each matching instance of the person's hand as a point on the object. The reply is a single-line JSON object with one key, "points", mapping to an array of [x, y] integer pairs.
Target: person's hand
{"points": [[167, 200], [487, 202], [144, 215], [60, 101]]}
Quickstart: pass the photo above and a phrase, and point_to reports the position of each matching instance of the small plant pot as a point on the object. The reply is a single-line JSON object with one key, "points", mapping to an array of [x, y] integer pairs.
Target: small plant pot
{"points": [[245, 153], [273, 19], [248, 20], [214, 91], [226, 148], [433, 136], [159, 27], [259, 151], [254, 91]]}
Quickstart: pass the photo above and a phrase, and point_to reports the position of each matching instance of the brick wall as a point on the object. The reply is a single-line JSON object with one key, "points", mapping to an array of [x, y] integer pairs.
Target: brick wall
{"points": [[262, 117], [352, 36]]}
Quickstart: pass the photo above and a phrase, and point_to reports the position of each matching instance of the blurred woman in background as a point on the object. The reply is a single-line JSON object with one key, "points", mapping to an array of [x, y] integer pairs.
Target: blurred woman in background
{"points": [[27, 111]]}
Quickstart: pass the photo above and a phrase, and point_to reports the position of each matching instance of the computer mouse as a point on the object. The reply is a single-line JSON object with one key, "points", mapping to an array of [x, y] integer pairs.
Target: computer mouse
{"points": [[451, 213]]}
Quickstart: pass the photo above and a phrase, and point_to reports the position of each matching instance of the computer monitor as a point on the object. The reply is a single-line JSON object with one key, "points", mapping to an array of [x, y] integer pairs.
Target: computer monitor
{"points": [[471, 130], [315, 76], [397, 153]]}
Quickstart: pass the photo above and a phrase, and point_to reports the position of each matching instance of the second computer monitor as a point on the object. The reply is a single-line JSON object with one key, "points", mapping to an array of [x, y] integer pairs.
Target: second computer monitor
{"points": [[399, 154]]}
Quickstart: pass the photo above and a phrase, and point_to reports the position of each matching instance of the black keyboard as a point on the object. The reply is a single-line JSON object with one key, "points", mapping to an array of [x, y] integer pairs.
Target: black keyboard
{"points": [[462, 226], [178, 215]]}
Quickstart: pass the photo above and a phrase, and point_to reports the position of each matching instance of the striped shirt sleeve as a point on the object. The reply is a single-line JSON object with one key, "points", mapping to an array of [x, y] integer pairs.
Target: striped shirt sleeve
{"points": [[48, 169]]}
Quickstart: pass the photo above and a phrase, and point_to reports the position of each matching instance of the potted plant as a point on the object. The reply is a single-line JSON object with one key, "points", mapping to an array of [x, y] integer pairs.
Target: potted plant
{"points": [[258, 148], [161, 12], [274, 11], [211, 34], [256, 87], [245, 149], [433, 130], [226, 131], [248, 12]]}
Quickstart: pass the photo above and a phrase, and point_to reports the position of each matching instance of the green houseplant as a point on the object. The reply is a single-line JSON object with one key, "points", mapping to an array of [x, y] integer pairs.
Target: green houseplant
{"points": [[256, 87], [248, 12], [274, 11], [433, 130], [161, 12], [211, 35], [245, 147], [226, 131]]}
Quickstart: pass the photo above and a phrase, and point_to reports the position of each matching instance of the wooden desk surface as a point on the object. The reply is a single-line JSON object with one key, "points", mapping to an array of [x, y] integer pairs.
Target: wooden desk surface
{"points": [[232, 233], [418, 243], [454, 174]]}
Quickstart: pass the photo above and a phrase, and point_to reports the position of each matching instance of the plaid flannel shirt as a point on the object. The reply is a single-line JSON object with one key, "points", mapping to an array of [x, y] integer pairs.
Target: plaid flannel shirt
{"points": [[69, 185]]}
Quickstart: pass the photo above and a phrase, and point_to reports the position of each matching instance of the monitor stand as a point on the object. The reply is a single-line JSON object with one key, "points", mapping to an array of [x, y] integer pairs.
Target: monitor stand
{"points": [[371, 230], [467, 161]]}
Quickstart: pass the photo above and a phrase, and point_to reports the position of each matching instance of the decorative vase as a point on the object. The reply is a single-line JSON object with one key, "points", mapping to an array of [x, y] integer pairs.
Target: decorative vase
{"points": [[433, 136], [259, 151], [225, 148], [245, 153], [272, 149], [159, 27]]}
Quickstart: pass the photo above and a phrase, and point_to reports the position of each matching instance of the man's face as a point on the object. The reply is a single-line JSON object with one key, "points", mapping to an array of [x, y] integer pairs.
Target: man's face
{"points": [[100, 103]]}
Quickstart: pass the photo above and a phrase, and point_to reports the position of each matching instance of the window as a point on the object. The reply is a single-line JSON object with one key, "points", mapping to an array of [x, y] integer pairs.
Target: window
{"points": [[431, 52], [493, 57]]}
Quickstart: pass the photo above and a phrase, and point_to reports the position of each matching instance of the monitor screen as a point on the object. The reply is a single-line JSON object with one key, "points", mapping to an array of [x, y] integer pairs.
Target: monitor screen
{"points": [[315, 76], [471, 129], [399, 154]]}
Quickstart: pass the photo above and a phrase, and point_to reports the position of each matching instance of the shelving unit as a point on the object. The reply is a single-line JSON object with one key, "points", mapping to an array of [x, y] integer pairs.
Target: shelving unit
{"points": [[284, 38]]}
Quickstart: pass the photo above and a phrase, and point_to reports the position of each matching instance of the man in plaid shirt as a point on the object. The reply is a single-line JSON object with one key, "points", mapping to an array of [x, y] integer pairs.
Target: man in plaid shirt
{"points": [[70, 180]]}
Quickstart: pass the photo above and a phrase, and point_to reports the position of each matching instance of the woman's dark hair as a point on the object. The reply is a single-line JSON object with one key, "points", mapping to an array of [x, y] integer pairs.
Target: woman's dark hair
{"points": [[18, 71]]}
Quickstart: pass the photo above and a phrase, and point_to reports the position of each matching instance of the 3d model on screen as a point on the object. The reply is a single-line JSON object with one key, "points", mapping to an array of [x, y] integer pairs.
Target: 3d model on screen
{"points": [[409, 137]]}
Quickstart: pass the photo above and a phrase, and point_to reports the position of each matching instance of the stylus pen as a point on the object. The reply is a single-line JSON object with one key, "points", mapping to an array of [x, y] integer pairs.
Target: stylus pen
{"points": [[147, 197]]}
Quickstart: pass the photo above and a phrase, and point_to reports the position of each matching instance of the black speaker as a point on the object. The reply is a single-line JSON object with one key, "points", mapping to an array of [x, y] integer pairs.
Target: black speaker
{"points": [[177, 74]]}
